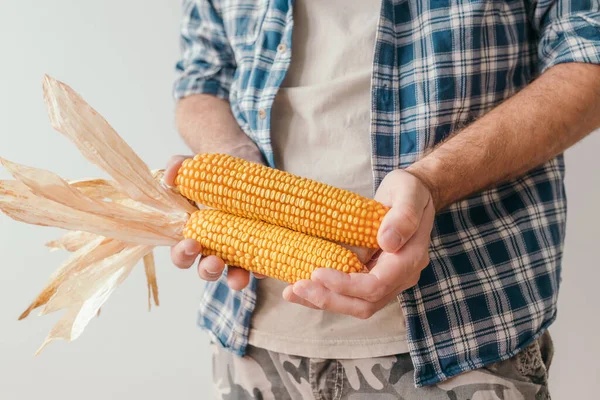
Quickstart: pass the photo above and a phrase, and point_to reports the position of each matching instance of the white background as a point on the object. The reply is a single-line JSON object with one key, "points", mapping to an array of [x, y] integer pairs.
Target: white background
{"points": [[120, 56]]}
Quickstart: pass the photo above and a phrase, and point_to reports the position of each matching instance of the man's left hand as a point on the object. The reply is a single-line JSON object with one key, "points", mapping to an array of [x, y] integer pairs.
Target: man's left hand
{"points": [[404, 237]]}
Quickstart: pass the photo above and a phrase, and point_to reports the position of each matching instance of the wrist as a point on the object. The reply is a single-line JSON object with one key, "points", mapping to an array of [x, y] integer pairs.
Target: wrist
{"points": [[425, 172], [247, 151]]}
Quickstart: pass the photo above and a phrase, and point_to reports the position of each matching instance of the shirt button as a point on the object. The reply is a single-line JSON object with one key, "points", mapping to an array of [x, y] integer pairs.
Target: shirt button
{"points": [[281, 48], [262, 114]]}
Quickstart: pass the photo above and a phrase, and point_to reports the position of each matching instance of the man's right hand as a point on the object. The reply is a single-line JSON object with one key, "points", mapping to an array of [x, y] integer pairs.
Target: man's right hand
{"points": [[185, 253]]}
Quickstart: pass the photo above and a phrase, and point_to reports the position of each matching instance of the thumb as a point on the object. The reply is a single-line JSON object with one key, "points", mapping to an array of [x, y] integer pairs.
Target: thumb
{"points": [[172, 168], [409, 200]]}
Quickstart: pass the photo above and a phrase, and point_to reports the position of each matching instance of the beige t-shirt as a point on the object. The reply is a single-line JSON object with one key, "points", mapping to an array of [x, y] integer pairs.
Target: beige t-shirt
{"points": [[321, 130]]}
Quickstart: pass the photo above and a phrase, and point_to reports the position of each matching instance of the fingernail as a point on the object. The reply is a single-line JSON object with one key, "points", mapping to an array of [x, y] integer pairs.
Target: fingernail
{"points": [[189, 252], [212, 270], [392, 239], [164, 184]]}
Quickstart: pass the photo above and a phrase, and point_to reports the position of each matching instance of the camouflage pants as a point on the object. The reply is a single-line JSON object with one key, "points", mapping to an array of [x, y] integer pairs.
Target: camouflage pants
{"points": [[265, 375]]}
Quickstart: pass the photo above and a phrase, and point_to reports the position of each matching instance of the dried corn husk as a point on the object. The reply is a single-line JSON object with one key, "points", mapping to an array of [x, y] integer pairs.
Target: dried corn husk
{"points": [[112, 224], [71, 241]]}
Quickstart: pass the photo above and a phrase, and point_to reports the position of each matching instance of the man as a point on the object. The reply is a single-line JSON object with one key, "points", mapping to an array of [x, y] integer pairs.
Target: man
{"points": [[455, 114]]}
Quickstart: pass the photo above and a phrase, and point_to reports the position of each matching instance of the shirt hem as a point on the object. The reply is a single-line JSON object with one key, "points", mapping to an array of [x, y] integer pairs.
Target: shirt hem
{"points": [[423, 380], [330, 348]]}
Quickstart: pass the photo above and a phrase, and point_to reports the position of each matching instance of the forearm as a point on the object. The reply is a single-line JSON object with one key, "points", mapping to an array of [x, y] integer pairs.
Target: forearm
{"points": [[207, 125], [554, 112]]}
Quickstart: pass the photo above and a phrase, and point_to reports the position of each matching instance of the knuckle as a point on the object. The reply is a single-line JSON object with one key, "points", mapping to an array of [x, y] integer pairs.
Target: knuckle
{"points": [[364, 313], [320, 301], [375, 294], [420, 263], [371, 297], [394, 174], [413, 281]]}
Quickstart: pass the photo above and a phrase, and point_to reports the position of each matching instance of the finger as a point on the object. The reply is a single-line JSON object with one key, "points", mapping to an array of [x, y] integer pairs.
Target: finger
{"points": [[325, 299], [237, 278], [259, 276], [173, 166], [404, 218], [414, 257], [389, 272], [210, 268], [289, 295], [397, 227], [184, 253], [363, 286]]}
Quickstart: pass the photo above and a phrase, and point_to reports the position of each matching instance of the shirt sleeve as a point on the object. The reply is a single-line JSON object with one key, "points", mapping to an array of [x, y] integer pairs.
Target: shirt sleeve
{"points": [[207, 63], [569, 31]]}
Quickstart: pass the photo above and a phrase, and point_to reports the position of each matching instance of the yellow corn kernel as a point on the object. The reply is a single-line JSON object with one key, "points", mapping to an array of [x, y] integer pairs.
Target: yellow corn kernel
{"points": [[304, 205], [231, 238]]}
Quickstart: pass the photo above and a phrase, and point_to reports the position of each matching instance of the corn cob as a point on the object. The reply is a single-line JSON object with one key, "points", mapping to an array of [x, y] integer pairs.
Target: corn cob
{"points": [[280, 198], [117, 223], [264, 248]]}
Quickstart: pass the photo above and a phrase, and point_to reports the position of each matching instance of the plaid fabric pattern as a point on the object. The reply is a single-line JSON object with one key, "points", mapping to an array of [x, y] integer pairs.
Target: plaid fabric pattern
{"points": [[492, 284]]}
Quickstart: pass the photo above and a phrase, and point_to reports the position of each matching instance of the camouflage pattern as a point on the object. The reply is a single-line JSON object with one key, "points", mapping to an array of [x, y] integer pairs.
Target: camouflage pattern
{"points": [[266, 375]]}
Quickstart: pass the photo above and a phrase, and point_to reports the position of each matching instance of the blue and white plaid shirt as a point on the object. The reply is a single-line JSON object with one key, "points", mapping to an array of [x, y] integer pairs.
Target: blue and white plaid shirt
{"points": [[492, 284]]}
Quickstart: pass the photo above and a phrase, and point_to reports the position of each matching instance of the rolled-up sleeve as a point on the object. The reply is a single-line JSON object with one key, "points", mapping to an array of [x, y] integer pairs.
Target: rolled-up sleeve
{"points": [[207, 63], [569, 31]]}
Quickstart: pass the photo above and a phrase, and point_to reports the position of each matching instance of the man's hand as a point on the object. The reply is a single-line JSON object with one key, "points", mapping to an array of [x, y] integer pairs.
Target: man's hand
{"points": [[404, 238], [185, 253], [207, 125], [544, 119]]}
